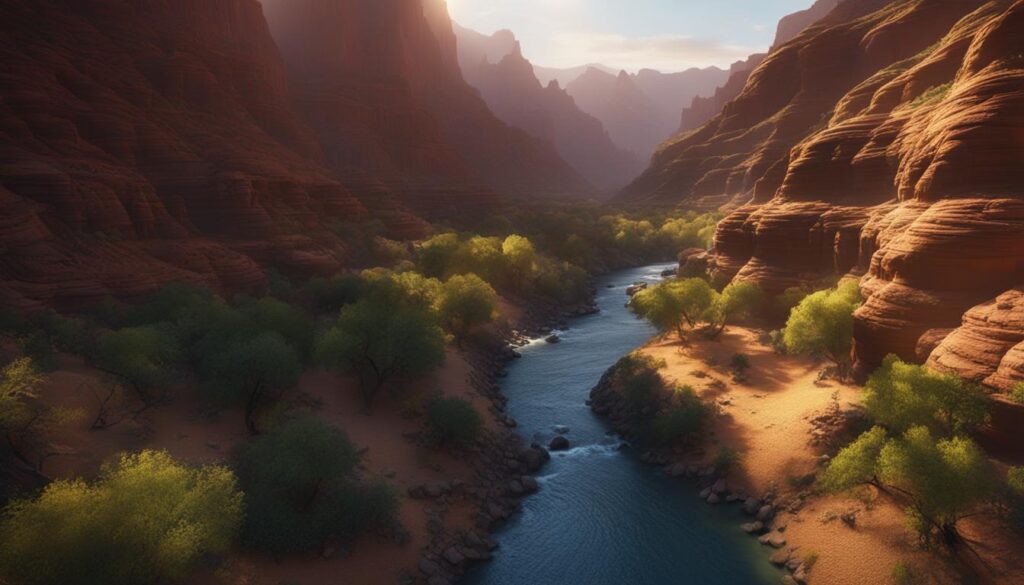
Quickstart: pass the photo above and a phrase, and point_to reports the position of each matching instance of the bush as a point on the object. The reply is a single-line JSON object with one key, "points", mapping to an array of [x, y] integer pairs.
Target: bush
{"points": [[1014, 500], [1017, 393], [900, 396], [453, 421], [301, 489], [637, 377], [740, 362], [379, 342], [823, 323], [686, 416], [726, 460], [141, 357], [147, 519], [466, 302]]}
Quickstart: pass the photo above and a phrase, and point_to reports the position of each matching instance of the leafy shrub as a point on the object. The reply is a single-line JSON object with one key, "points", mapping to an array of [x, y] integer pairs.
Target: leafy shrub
{"points": [[823, 323], [740, 362], [638, 378], [686, 415], [453, 420], [147, 519], [301, 489], [1017, 393], [726, 460]]}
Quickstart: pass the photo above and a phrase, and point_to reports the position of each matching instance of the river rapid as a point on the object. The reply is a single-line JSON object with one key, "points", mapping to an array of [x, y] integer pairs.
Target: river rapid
{"points": [[601, 517]]}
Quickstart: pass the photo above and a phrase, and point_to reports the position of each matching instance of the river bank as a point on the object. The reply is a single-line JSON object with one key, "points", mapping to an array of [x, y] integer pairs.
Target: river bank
{"points": [[781, 418], [599, 517]]}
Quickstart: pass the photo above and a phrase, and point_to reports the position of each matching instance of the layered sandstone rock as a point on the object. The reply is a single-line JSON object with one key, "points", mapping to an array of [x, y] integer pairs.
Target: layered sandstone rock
{"points": [[904, 164], [153, 141]]}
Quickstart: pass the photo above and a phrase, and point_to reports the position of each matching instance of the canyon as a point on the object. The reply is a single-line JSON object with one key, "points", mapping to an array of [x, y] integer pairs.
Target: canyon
{"points": [[902, 168], [151, 142]]}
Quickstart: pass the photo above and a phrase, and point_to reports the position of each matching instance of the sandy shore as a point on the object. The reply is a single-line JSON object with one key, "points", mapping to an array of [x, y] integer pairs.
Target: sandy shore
{"points": [[768, 420]]}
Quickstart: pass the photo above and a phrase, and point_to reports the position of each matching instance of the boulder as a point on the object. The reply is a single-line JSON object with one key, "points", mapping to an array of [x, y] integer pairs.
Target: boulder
{"points": [[559, 443]]}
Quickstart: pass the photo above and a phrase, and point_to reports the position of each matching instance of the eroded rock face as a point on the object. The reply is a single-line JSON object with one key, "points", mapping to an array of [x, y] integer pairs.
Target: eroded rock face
{"points": [[906, 166], [148, 142]]}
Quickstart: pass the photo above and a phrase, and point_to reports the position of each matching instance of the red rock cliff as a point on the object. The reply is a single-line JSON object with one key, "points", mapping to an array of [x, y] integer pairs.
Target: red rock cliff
{"points": [[887, 141], [147, 141]]}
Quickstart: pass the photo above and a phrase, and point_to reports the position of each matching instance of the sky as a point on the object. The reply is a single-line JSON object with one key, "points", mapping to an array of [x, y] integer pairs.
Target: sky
{"points": [[667, 35]]}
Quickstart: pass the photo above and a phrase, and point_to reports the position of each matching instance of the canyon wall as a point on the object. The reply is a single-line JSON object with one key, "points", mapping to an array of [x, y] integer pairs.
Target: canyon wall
{"points": [[507, 82], [150, 141], [886, 142]]}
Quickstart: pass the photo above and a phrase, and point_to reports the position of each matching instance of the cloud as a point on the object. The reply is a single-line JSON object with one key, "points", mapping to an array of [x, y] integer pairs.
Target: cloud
{"points": [[664, 52]]}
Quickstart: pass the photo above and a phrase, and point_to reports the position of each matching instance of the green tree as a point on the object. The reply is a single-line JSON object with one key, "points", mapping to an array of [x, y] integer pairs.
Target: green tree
{"points": [[899, 396], [301, 488], [676, 304], [141, 357], [661, 306], [857, 463], [522, 259], [292, 323], [466, 301], [823, 323], [251, 371], [453, 420], [436, 256], [21, 413], [738, 300], [944, 480], [378, 342], [147, 519]]}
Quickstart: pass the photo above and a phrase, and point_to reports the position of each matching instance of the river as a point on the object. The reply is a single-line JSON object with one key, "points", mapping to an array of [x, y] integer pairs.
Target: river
{"points": [[601, 517]]}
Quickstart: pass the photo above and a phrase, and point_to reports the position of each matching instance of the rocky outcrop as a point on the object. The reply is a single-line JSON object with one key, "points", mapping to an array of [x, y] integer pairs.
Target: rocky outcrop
{"points": [[512, 91], [904, 166], [703, 108], [793, 24]]}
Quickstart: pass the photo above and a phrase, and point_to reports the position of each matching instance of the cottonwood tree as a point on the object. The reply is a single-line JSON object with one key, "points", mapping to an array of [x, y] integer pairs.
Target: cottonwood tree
{"points": [[379, 342], [823, 323], [21, 415], [141, 358], [466, 301], [738, 300], [252, 372]]}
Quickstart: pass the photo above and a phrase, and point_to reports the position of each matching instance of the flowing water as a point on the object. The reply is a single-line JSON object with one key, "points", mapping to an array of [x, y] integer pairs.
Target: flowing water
{"points": [[601, 517]]}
